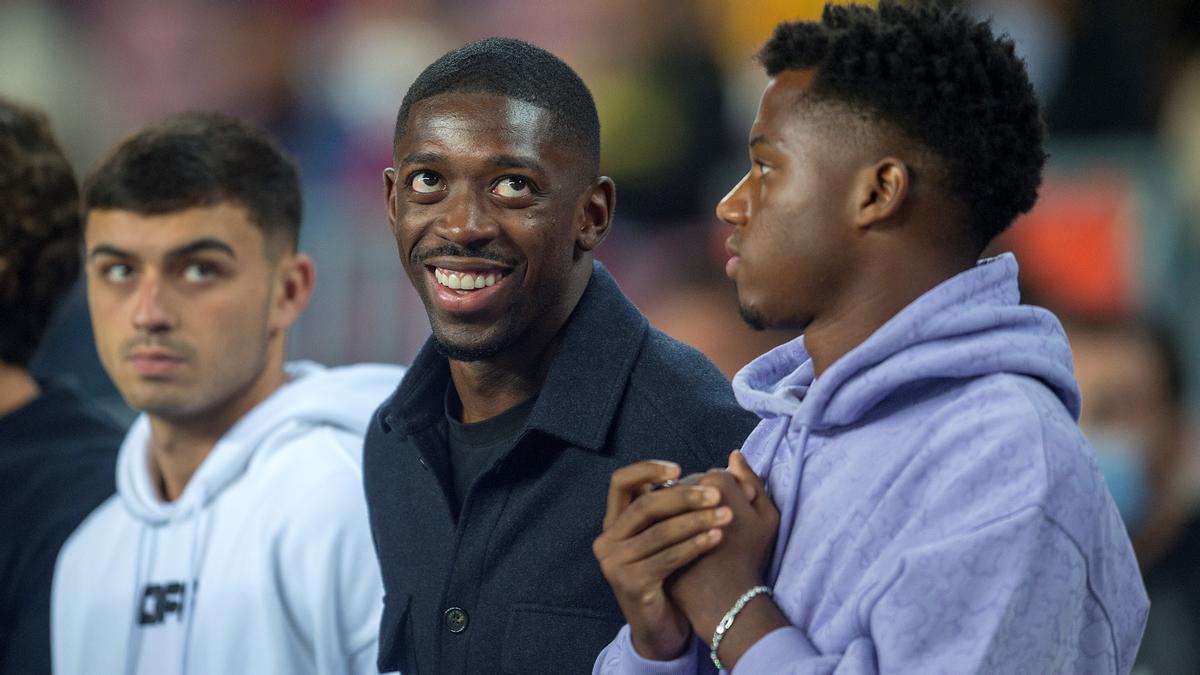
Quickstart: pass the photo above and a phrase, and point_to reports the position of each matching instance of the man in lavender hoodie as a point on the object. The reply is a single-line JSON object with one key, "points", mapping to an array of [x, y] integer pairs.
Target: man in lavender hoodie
{"points": [[937, 509]]}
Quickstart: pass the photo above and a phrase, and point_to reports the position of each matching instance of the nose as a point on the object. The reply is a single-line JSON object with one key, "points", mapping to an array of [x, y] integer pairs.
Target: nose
{"points": [[734, 208], [466, 221], [150, 312]]}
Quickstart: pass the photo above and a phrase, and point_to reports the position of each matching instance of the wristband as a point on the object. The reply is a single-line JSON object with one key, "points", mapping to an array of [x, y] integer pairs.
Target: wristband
{"points": [[726, 621]]}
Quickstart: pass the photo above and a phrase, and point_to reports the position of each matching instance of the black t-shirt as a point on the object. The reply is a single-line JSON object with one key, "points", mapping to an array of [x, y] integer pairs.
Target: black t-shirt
{"points": [[474, 448], [57, 463]]}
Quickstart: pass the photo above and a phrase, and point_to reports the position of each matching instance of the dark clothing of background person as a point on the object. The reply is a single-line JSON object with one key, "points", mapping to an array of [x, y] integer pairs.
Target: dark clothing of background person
{"points": [[1171, 643], [57, 463], [510, 584]]}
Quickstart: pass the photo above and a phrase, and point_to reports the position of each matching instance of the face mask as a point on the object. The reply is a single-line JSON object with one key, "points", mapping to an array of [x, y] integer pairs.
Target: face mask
{"points": [[1120, 458]]}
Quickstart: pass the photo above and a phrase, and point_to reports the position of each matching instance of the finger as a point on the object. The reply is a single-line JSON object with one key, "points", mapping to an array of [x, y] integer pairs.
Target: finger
{"points": [[628, 481], [658, 506], [672, 531], [740, 467], [671, 559], [751, 484]]}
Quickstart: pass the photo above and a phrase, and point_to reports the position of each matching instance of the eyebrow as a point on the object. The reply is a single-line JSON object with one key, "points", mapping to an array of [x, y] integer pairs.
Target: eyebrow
{"points": [[759, 138], [198, 246], [513, 162], [422, 158], [497, 161]]}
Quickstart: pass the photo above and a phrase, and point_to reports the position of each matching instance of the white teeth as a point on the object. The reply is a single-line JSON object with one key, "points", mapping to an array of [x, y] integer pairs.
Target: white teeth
{"points": [[465, 281]]}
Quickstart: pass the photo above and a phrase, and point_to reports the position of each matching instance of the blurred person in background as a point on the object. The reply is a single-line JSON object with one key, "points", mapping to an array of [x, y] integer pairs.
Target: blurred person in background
{"points": [[1132, 382], [930, 504], [238, 540], [486, 470], [57, 452]]}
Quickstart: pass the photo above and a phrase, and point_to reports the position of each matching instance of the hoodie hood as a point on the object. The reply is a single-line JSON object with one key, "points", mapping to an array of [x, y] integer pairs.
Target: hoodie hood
{"points": [[970, 325], [341, 398]]}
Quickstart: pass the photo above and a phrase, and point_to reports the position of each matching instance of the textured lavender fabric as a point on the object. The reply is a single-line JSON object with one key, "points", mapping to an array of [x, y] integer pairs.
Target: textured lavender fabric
{"points": [[940, 510]]}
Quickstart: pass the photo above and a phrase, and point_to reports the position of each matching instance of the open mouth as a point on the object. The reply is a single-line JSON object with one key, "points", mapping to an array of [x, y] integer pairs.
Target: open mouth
{"points": [[468, 287], [464, 282]]}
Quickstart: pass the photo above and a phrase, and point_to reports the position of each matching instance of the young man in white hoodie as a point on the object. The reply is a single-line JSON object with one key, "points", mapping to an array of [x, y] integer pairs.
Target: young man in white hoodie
{"points": [[238, 540]]}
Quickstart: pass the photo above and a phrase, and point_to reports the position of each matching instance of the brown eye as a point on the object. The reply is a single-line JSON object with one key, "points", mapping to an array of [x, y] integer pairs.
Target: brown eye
{"points": [[117, 273], [512, 186], [426, 182], [198, 273]]}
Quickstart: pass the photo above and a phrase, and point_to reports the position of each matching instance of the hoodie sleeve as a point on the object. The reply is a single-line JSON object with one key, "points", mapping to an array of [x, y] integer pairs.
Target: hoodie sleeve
{"points": [[985, 601], [982, 602], [328, 570], [620, 658]]}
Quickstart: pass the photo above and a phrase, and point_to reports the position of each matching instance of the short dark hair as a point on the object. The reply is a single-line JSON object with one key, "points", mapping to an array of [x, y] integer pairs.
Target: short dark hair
{"points": [[944, 80], [39, 230], [197, 160], [514, 69]]}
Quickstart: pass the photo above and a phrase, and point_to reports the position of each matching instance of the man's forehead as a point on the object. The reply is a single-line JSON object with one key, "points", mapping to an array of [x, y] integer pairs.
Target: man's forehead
{"points": [[783, 93], [160, 233], [472, 112]]}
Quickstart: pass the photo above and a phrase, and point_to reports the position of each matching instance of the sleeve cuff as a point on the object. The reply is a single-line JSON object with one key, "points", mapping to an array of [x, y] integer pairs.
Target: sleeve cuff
{"points": [[782, 645], [620, 658]]}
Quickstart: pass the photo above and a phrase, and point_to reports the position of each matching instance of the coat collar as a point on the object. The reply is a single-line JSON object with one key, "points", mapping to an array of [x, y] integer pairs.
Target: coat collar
{"points": [[584, 384]]}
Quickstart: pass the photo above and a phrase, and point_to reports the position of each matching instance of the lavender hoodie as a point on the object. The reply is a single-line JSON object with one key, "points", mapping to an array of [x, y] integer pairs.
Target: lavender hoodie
{"points": [[940, 510]]}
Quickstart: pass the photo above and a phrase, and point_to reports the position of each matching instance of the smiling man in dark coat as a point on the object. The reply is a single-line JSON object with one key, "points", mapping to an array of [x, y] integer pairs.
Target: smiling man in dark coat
{"points": [[486, 471]]}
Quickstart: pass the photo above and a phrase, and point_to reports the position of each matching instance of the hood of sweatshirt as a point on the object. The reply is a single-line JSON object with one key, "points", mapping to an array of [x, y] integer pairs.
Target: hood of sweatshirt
{"points": [[968, 326], [342, 398]]}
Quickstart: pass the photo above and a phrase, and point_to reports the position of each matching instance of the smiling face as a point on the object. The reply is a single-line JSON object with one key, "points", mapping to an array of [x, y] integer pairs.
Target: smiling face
{"points": [[793, 212], [189, 310], [494, 217]]}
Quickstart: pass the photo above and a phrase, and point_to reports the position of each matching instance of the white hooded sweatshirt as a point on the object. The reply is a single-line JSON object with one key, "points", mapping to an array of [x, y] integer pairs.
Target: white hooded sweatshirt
{"points": [[264, 564]]}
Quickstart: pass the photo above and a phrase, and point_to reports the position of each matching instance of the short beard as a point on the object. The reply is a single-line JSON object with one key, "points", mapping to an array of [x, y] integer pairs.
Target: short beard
{"points": [[466, 353], [752, 319]]}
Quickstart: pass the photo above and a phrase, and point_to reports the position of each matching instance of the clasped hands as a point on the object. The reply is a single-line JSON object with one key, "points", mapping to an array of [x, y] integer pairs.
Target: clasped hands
{"points": [[678, 558]]}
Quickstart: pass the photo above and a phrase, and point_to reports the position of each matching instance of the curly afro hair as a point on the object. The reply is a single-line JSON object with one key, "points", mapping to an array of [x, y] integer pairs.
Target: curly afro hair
{"points": [[40, 235], [944, 80]]}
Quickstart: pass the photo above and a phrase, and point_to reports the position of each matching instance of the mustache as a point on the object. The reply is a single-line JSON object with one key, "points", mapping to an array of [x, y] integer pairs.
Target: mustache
{"points": [[449, 250], [175, 348]]}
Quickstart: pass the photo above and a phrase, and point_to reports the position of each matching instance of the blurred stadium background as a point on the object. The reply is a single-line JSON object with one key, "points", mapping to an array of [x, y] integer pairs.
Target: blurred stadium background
{"points": [[1116, 233]]}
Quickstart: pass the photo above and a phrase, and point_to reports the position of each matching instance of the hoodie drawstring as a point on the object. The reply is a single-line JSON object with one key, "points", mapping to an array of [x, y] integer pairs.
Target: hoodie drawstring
{"points": [[200, 519], [787, 516], [133, 644]]}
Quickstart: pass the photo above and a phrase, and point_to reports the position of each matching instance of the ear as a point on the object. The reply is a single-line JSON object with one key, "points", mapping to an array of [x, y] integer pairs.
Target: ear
{"points": [[389, 185], [594, 219], [882, 188], [295, 276]]}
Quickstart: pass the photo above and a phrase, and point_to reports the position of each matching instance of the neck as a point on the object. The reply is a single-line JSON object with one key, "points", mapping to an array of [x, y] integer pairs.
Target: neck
{"points": [[884, 287], [17, 388], [180, 444], [491, 386], [178, 450]]}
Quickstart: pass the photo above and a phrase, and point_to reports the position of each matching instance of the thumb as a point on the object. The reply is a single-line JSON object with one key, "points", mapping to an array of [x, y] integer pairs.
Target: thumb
{"points": [[751, 485]]}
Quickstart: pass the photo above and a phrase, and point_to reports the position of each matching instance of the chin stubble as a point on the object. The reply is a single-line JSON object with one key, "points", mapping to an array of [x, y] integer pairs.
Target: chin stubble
{"points": [[752, 319], [455, 353]]}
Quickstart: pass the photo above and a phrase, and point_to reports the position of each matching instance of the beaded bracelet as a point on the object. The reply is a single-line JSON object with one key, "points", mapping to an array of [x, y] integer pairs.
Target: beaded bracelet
{"points": [[726, 621]]}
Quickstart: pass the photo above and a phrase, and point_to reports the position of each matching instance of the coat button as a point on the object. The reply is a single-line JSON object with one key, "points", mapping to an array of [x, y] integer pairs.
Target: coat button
{"points": [[455, 619]]}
